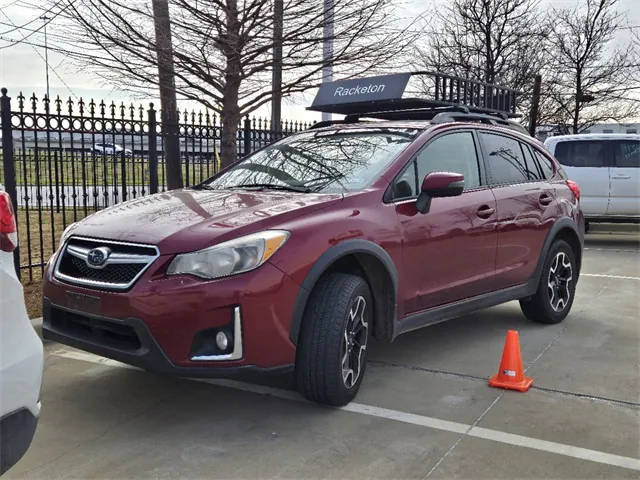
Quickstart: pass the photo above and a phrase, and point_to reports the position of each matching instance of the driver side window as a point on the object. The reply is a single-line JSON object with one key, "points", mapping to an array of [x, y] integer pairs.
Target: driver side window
{"points": [[456, 153], [453, 152]]}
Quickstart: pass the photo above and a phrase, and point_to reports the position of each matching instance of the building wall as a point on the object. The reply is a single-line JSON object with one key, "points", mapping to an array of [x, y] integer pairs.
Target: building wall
{"points": [[614, 128], [545, 131]]}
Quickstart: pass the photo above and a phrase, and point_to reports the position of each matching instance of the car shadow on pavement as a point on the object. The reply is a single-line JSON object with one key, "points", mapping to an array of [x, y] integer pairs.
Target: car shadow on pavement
{"points": [[469, 345]]}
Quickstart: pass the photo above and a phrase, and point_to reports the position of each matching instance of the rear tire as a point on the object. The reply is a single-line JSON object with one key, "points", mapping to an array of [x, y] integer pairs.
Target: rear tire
{"points": [[556, 290], [332, 350]]}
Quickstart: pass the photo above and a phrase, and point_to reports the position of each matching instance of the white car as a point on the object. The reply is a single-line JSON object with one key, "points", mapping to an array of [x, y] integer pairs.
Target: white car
{"points": [[110, 149], [20, 352], [607, 168]]}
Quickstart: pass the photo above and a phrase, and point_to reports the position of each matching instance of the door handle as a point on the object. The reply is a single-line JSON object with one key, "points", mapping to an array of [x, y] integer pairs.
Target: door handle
{"points": [[545, 199], [485, 211], [621, 177]]}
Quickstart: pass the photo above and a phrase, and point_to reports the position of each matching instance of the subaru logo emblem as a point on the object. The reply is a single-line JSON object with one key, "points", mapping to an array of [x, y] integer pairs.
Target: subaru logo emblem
{"points": [[97, 257]]}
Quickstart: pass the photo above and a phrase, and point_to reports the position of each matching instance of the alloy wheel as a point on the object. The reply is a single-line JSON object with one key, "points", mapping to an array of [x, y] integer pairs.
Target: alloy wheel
{"points": [[560, 277], [354, 345]]}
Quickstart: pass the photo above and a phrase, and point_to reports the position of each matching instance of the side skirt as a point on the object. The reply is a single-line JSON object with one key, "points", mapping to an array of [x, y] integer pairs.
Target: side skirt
{"points": [[453, 310]]}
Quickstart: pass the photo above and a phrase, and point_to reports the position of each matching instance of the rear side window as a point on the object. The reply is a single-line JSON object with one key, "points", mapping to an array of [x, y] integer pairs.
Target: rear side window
{"points": [[506, 160], [454, 152], [583, 153], [534, 170], [545, 164], [626, 153]]}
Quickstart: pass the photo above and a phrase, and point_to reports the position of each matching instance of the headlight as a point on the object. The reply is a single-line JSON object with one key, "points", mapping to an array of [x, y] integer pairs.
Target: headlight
{"points": [[228, 258]]}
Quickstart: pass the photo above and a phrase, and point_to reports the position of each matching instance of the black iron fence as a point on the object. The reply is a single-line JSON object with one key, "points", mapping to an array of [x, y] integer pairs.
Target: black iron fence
{"points": [[62, 160]]}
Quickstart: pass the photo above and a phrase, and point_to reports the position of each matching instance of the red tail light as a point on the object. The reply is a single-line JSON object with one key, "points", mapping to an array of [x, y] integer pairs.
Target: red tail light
{"points": [[8, 230], [575, 188]]}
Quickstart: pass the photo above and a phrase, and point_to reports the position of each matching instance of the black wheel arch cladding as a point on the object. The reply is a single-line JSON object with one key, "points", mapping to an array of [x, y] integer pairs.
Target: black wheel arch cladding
{"points": [[372, 260], [566, 229]]}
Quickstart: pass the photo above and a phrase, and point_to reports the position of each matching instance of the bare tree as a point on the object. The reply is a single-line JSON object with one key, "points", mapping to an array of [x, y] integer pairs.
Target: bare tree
{"points": [[589, 80], [223, 49], [495, 41]]}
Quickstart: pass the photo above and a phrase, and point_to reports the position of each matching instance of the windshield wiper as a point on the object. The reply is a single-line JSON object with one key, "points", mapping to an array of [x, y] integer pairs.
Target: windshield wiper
{"points": [[271, 186]]}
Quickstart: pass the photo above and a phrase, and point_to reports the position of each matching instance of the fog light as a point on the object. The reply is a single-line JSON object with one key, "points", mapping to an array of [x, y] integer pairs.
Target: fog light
{"points": [[222, 341]]}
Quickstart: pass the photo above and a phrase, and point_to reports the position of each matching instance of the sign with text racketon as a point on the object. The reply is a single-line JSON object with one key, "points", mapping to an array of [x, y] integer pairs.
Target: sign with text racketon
{"points": [[369, 89]]}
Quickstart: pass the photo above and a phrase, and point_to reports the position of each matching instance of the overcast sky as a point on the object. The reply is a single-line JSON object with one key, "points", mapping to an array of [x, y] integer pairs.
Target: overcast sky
{"points": [[22, 67]]}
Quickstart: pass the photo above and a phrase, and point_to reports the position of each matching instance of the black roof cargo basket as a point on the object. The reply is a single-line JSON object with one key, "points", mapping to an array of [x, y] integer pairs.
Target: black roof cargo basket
{"points": [[429, 96]]}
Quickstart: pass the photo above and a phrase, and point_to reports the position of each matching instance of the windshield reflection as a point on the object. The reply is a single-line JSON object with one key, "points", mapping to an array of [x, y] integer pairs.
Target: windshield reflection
{"points": [[336, 160]]}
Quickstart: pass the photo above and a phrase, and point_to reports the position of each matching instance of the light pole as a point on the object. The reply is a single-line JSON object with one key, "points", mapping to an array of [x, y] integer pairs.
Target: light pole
{"points": [[276, 79], [327, 48], [46, 19]]}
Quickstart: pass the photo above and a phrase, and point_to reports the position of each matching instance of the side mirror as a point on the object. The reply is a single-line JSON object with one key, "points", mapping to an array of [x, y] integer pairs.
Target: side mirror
{"points": [[439, 184]]}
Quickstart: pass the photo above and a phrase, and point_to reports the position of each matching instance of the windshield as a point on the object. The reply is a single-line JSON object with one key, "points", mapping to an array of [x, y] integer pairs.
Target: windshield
{"points": [[331, 161]]}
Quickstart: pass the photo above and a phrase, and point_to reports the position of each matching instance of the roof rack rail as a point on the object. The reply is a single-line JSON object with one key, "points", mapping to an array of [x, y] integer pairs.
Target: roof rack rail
{"points": [[328, 123], [408, 114], [491, 119], [383, 96]]}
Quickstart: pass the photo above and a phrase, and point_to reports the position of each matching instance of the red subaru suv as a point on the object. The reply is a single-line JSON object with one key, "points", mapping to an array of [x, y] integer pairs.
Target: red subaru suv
{"points": [[293, 258]]}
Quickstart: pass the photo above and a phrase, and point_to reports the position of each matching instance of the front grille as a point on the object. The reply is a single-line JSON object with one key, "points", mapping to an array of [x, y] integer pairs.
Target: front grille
{"points": [[124, 273], [122, 265], [120, 247], [101, 332]]}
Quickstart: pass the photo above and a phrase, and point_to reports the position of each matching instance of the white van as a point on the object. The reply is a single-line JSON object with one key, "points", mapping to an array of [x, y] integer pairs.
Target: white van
{"points": [[607, 169], [20, 352]]}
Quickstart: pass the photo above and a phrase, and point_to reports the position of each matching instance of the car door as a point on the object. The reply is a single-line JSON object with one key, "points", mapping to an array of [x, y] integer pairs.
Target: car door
{"points": [[526, 207], [625, 178], [587, 163], [449, 252]]}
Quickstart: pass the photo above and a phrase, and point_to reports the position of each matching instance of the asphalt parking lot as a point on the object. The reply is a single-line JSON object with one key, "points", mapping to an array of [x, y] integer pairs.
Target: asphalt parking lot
{"points": [[424, 411]]}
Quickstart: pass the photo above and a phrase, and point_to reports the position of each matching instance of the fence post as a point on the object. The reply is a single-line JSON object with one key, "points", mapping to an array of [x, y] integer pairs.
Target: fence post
{"points": [[153, 150], [247, 137], [9, 162], [123, 174], [57, 177]]}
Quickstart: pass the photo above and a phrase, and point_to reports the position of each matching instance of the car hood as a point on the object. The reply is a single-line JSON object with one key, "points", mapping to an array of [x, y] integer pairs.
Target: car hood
{"points": [[188, 219]]}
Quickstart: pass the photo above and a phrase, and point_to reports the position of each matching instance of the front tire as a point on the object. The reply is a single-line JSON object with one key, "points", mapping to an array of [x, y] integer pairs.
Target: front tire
{"points": [[332, 351], [556, 290]]}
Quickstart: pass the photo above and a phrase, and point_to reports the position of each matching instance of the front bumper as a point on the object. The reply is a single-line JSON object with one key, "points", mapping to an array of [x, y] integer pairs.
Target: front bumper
{"points": [[167, 313], [148, 355], [16, 432]]}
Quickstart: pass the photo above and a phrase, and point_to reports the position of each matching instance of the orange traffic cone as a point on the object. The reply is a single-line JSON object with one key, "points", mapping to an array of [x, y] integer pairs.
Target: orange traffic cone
{"points": [[511, 375]]}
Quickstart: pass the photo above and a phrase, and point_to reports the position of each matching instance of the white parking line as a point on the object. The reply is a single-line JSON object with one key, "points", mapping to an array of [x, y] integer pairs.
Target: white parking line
{"points": [[612, 250], [608, 276], [404, 417]]}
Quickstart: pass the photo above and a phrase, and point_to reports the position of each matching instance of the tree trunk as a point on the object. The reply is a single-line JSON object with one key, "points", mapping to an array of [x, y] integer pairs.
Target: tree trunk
{"points": [[488, 69], [488, 45], [229, 136], [576, 110], [168, 102], [535, 105], [230, 109]]}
